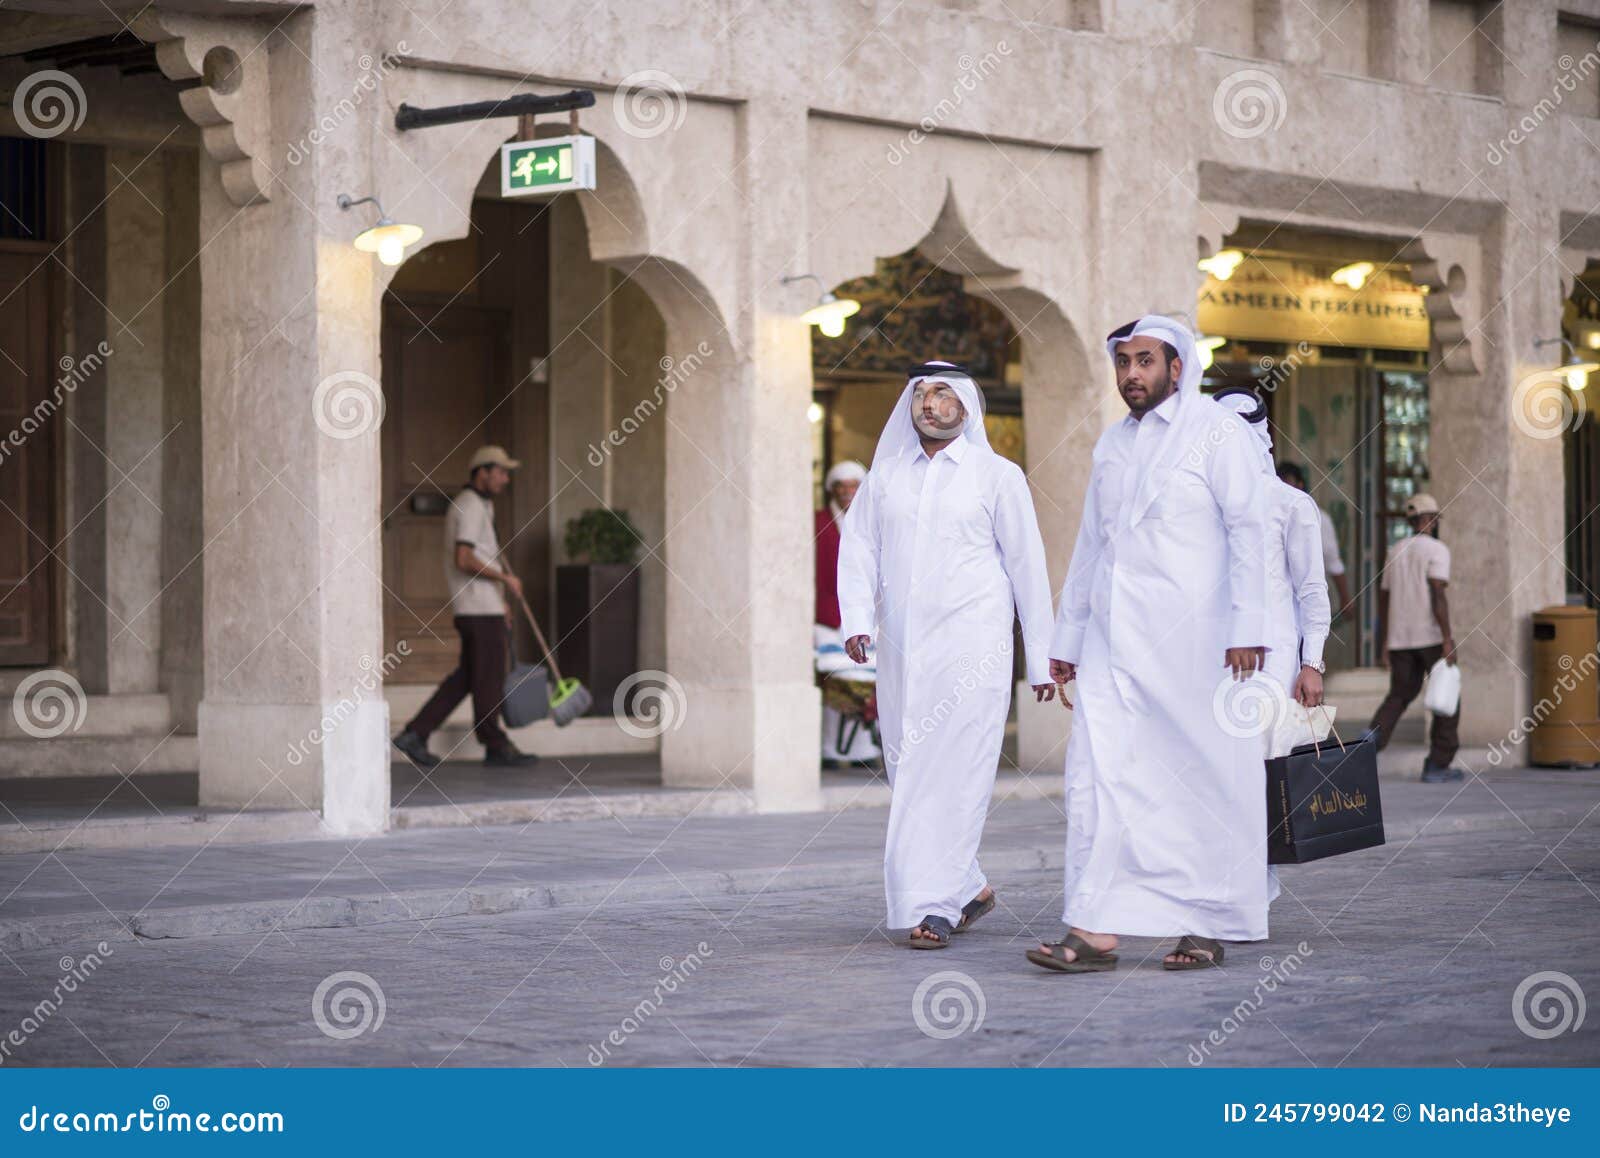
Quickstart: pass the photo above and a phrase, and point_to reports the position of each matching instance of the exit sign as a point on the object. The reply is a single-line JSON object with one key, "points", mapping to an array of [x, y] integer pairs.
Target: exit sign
{"points": [[552, 165]]}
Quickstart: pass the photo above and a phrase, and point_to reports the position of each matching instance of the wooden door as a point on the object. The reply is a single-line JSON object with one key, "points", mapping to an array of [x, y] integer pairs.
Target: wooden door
{"points": [[28, 421], [445, 381]]}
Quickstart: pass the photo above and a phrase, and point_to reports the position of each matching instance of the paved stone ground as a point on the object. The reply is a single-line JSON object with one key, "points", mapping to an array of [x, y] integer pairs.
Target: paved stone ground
{"points": [[1407, 954]]}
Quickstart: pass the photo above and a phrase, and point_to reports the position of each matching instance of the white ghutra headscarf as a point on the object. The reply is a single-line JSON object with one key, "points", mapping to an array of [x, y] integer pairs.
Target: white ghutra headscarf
{"points": [[1182, 429], [1247, 404], [900, 432]]}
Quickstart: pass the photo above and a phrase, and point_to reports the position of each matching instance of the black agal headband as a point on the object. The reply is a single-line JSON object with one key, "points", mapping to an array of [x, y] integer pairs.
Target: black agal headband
{"points": [[937, 369], [1259, 414]]}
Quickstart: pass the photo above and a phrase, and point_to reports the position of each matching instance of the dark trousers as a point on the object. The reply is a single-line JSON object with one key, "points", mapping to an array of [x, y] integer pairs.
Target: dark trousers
{"points": [[482, 672], [1408, 667]]}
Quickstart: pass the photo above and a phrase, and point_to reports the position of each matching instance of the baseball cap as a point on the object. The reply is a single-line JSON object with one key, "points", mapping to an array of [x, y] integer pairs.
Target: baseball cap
{"points": [[492, 456], [1422, 505]]}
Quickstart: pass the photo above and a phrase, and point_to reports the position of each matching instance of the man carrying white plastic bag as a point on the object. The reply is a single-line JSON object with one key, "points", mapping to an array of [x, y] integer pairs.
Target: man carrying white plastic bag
{"points": [[1414, 615]]}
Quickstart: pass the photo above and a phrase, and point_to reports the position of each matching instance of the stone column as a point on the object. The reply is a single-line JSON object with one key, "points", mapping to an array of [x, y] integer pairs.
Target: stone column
{"points": [[739, 555], [293, 714], [135, 277], [1398, 45]]}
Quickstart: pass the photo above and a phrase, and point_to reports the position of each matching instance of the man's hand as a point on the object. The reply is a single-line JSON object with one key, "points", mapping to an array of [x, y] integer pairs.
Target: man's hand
{"points": [[1308, 687], [513, 584], [1063, 673], [1245, 661], [856, 647], [1450, 651], [1043, 693]]}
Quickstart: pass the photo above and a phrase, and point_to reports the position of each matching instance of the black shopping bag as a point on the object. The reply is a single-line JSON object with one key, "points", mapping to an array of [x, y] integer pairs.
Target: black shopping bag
{"points": [[1322, 800]]}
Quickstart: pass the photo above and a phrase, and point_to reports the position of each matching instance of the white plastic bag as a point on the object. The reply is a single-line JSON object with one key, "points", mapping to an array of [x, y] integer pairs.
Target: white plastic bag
{"points": [[1443, 695], [1297, 725]]}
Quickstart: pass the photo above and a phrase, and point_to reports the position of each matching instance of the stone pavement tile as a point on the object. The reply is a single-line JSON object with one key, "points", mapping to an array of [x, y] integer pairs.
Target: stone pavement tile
{"points": [[1390, 956], [417, 875]]}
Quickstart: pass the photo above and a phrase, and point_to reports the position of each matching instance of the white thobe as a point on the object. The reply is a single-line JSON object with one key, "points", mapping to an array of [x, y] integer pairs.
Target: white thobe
{"points": [[1166, 811], [1298, 614], [1331, 562], [935, 554]]}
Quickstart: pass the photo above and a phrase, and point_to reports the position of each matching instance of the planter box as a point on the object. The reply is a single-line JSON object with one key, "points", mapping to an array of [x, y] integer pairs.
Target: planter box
{"points": [[597, 622]]}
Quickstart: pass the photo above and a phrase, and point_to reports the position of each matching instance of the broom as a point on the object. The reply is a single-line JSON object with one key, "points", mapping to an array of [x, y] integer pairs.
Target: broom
{"points": [[570, 699]]}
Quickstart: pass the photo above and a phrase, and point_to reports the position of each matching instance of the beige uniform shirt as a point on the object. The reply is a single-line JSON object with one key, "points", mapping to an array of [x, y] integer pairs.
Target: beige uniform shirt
{"points": [[471, 521], [1412, 562]]}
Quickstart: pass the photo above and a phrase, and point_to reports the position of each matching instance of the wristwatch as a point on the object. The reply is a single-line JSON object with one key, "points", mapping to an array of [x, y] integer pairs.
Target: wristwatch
{"points": [[1315, 665]]}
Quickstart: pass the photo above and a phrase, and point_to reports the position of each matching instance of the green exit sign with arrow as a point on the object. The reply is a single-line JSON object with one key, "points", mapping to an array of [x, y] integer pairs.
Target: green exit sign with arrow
{"points": [[551, 165]]}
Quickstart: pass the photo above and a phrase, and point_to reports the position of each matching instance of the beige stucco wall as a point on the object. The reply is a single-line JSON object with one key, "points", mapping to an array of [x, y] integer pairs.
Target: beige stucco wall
{"points": [[1071, 176]]}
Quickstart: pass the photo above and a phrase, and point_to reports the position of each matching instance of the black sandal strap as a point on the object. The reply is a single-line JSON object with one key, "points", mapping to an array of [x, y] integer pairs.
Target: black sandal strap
{"points": [[1191, 946], [1081, 949], [940, 927]]}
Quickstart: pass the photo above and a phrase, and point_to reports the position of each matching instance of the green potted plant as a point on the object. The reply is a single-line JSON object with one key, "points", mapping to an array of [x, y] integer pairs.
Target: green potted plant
{"points": [[597, 603]]}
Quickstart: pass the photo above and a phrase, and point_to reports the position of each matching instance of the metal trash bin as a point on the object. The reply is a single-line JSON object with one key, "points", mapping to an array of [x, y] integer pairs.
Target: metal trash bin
{"points": [[1566, 704]]}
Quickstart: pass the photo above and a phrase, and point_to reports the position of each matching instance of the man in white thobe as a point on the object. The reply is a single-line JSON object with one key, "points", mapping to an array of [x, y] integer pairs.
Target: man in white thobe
{"points": [[1298, 612], [939, 546], [1166, 810], [1332, 561]]}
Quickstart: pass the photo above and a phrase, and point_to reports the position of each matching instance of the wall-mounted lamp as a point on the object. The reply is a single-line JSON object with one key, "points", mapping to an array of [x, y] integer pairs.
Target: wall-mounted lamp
{"points": [[1208, 347], [829, 313], [1354, 275], [1574, 369], [1221, 264], [388, 238]]}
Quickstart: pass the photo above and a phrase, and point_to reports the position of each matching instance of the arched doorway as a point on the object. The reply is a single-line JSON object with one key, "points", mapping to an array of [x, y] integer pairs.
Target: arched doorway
{"points": [[948, 298]]}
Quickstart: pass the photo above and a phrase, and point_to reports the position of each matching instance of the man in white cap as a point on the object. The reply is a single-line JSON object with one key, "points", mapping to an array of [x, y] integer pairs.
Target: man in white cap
{"points": [[940, 546], [1414, 624], [841, 483], [1166, 808], [475, 573]]}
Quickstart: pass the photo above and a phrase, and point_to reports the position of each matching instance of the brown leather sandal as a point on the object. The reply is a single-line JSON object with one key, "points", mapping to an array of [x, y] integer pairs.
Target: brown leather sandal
{"points": [[974, 909], [1194, 947], [1086, 958]]}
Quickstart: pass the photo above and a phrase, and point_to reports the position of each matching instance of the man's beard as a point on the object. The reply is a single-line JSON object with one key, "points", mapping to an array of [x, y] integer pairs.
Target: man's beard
{"points": [[1154, 395]]}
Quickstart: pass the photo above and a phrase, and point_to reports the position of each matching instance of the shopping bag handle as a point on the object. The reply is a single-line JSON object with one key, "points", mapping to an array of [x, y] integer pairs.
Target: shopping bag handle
{"points": [[1332, 727]]}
